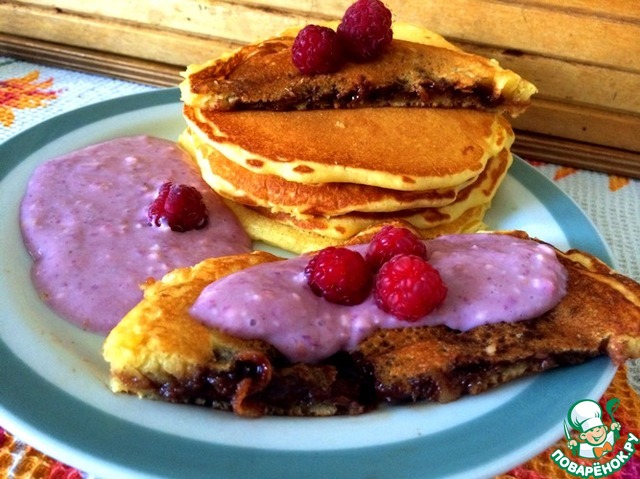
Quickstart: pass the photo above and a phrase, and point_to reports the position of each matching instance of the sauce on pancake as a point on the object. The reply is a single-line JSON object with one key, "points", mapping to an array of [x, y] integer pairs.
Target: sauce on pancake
{"points": [[490, 278], [84, 221]]}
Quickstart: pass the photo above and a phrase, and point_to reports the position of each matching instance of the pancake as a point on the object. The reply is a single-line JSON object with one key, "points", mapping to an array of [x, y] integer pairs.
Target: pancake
{"points": [[419, 68], [302, 200], [406, 149], [261, 226], [159, 351], [343, 227]]}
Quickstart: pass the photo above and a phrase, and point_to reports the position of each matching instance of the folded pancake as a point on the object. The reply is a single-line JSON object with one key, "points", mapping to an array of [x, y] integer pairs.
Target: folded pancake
{"points": [[406, 149], [249, 188], [420, 68], [159, 351]]}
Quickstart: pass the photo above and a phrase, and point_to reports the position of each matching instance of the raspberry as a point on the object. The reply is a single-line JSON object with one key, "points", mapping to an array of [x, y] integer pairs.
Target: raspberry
{"points": [[316, 49], [390, 241], [179, 206], [340, 275], [365, 31], [408, 287]]}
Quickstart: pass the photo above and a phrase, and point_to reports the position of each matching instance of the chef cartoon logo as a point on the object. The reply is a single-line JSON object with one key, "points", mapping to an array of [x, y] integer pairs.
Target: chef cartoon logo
{"points": [[594, 440]]}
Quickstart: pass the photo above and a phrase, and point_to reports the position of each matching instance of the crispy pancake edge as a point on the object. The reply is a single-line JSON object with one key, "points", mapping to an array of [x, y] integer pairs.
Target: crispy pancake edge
{"points": [[413, 364]]}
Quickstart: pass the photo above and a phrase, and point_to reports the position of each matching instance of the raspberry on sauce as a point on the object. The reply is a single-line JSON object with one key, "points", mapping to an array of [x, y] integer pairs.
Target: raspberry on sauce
{"points": [[390, 241], [181, 207], [316, 49], [408, 287], [339, 275], [365, 31]]}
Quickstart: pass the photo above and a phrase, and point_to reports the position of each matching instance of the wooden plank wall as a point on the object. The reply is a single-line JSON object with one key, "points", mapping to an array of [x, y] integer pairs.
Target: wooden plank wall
{"points": [[583, 55]]}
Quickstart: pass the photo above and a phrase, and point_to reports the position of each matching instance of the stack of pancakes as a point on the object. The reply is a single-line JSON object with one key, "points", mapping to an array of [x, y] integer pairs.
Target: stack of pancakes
{"points": [[305, 162]]}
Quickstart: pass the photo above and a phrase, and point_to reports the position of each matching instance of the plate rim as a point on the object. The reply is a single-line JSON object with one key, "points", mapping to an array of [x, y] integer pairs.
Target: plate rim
{"points": [[15, 407]]}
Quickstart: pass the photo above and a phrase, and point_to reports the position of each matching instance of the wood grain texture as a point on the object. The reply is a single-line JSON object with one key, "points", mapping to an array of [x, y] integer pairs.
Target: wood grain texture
{"points": [[570, 81], [90, 61], [580, 30], [583, 55], [122, 38], [583, 123], [579, 35], [547, 149], [529, 145]]}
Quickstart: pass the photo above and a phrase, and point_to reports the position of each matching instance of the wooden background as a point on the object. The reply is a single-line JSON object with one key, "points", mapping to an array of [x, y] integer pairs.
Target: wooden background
{"points": [[583, 55]]}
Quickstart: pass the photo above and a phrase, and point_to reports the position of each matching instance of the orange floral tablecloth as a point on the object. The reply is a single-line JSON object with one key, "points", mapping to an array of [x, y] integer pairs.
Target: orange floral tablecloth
{"points": [[32, 93]]}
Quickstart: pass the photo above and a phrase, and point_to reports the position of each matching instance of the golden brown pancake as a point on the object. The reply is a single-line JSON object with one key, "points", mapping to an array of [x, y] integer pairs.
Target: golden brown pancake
{"points": [[418, 69], [247, 187], [159, 351], [342, 227], [300, 233], [407, 149], [262, 226]]}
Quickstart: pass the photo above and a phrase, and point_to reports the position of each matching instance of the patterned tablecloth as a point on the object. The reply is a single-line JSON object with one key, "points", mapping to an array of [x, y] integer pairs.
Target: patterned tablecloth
{"points": [[31, 93]]}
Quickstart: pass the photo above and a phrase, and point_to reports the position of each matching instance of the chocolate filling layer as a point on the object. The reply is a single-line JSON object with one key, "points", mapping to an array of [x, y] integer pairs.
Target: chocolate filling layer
{"points": [[341, 385], [425, 94]]}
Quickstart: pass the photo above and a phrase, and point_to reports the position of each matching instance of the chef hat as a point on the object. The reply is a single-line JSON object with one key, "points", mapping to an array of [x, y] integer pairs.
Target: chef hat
{"points": [[585, 415]]}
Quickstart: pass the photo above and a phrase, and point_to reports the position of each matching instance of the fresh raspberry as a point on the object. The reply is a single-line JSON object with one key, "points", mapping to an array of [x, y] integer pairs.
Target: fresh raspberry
{"points": [[316, 49], [340, 275], [179, 206], [390, 241], [365, 31], [408, 287]]}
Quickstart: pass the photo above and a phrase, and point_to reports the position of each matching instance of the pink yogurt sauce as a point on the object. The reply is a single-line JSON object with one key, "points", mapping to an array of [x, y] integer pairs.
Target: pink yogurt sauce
{"points": [[84, 221], [490, 278]]}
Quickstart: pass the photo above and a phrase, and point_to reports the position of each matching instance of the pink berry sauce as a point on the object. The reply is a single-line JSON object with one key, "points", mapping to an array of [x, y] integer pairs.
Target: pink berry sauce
{"points": [[490, 278], [84, 221]]}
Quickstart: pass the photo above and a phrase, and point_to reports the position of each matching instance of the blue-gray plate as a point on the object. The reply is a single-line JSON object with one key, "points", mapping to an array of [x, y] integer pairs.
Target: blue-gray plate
{"points": [[53, 381]]}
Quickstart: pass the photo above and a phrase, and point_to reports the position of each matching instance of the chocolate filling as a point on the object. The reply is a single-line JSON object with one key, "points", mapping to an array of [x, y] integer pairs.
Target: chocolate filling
{"points": [[424, 94], [341, 385], [445, 386]]}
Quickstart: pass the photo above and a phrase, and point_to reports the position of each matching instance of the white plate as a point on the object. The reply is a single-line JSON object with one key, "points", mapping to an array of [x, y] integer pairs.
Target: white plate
{"points": [[53, 391]]}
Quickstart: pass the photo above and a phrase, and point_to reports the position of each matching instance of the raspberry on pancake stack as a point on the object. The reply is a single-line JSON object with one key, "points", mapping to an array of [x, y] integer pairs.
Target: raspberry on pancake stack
{"points": [[323, 132]]}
